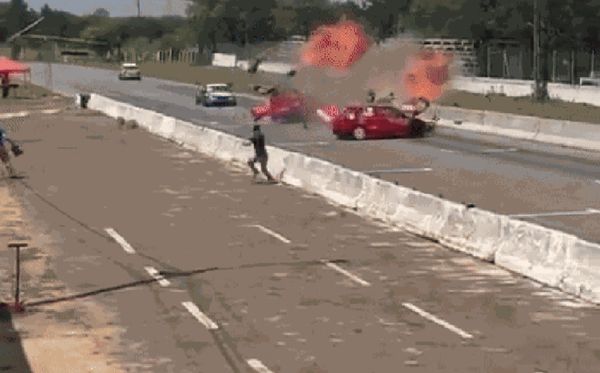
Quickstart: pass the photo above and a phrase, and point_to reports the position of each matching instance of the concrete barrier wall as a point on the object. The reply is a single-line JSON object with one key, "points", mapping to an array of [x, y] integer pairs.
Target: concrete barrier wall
{"points": [[275, 67], [519, 88], [508, 87], [552, 257], [224, 60], [244, 65], [559, 132]]}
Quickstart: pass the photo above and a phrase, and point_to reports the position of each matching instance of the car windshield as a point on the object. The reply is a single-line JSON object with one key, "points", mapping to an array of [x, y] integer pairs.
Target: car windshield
{"points": [[130, 67], [218, 88]]}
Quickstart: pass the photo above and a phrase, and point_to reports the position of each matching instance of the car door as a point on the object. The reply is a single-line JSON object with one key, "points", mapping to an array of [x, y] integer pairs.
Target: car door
{"points": [[369, 120], [377, 123], [394, 124]]}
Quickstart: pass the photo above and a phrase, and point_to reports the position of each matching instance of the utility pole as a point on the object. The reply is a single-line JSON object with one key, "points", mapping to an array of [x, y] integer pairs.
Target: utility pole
{"points": [[139, 8], [540, 79]]}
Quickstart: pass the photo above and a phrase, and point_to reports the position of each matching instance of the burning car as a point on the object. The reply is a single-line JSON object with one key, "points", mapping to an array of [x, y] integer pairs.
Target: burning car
{"points": [[381, 121], [281, 107]]}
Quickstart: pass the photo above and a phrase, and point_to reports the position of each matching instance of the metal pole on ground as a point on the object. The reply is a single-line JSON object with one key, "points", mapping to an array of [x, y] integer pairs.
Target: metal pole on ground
{"points": [[17, 306]]}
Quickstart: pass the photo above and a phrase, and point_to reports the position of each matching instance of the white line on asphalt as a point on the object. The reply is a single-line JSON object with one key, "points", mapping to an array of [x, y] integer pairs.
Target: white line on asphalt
{"points": [[507, 150], [559, 213], [271, 233], [201, 317], [50, 111], [120, 240], [419, 244], [20, 114], [597, 181], [153, 272], [258, 366], [448, 150], [302, 143], [437, 320], [398, 170], [351, 276]]}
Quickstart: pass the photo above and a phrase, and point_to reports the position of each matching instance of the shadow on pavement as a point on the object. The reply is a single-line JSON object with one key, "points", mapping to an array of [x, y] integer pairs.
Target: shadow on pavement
{"points": [[12, 356], [168, 274]]}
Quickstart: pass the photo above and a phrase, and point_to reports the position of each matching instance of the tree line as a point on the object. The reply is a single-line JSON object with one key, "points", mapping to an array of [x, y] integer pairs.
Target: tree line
{"points": [[565, 23]]}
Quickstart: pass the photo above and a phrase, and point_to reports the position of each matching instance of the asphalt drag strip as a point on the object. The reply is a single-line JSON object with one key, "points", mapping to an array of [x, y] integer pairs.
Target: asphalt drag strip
{"points": [[206, 271]]}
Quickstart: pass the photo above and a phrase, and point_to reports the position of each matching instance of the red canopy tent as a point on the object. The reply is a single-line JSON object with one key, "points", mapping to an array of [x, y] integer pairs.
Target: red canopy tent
{"points": [[10, 67]]}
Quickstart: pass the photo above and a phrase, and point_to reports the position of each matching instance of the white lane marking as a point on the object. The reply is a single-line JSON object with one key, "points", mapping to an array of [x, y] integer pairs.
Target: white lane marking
{"points": [[302, 143], [153, 272], [597, 181], [120, 240], [258, 366], [398, 170], [448, 151], [501, 150], [201, 317], [50, 111], [213, 122], [559, 213], [270, 232], [437, 320], [381, 244], [419, 244], [351, 276], [20, 114]]}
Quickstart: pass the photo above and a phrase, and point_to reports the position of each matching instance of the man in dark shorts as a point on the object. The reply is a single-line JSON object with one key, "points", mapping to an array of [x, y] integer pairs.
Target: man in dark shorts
{"points": [[4, 152], [260, 153]]}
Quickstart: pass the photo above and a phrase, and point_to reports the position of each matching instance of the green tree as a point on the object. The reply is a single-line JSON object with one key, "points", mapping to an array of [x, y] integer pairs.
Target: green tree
{"points": [[385, 16], [312, 13], [206, 16], [17, 16], [101, 12]]}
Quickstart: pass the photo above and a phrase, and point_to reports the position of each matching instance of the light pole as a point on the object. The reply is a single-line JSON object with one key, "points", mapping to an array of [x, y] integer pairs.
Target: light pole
{"points": [[540, 83]]}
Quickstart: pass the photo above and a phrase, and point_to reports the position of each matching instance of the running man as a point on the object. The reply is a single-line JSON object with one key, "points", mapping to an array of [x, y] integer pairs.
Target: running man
{"points": [[4, 152], [260, 154]]}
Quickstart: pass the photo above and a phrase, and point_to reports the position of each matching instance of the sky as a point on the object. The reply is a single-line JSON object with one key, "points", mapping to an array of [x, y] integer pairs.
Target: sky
{"points": [[115, 7]]}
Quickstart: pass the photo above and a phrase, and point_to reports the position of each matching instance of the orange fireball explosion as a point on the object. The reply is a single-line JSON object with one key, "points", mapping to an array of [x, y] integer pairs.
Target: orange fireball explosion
{"points": [[337, 46], [427, 74]]}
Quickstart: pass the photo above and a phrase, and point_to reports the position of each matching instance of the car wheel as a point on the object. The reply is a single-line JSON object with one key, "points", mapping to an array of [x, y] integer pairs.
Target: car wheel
{"points": [[419, 128], [359, 133]]}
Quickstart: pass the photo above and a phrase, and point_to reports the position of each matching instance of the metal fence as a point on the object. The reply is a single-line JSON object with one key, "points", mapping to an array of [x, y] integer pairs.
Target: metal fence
{"points": [[516, 62]]}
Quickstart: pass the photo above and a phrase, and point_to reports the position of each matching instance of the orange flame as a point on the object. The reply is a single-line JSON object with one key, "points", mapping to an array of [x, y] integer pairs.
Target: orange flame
{"points": [[427, 74], [338, 46]]}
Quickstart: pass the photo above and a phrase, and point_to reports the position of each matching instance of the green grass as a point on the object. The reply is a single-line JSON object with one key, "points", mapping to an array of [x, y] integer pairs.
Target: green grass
{"points": [[210, 74], [553, 109]]}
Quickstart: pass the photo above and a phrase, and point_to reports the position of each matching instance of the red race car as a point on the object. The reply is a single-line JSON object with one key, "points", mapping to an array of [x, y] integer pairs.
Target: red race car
{"points": [[379, 122], [281, 107]]}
